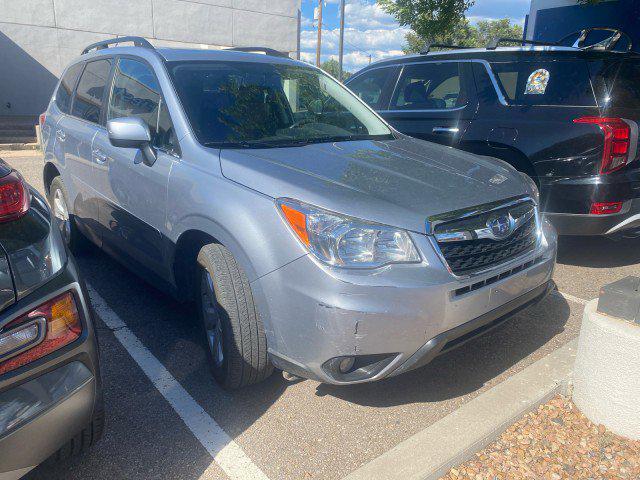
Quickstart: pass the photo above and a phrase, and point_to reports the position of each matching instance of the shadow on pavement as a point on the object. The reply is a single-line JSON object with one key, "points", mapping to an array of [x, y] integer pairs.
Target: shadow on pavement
{"points": [[598, 252]]}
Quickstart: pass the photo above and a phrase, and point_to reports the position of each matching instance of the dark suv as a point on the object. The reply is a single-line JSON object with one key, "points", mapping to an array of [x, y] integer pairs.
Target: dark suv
{"points": [[566, 116]]}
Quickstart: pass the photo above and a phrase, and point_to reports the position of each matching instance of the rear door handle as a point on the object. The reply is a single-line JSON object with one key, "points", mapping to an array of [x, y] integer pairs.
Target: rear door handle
{"points": [[446, 130], [60, 135], [99, 156]]}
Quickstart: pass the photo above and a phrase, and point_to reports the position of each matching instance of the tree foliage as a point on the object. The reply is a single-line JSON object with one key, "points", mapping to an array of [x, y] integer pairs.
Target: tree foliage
{"points": [[428, 18], [332, 67], [466, 35]]}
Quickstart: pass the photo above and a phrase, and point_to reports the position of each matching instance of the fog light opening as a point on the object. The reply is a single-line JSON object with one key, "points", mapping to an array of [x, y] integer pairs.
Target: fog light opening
{"points": [[346, 364]]}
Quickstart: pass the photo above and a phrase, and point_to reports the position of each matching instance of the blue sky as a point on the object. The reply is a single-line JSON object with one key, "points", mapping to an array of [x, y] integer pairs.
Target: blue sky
{"points": [[371, 31]]}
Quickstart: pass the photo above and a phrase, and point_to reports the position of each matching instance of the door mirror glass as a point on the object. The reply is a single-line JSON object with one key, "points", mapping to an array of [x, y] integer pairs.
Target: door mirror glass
{"points": [[132, 132]]}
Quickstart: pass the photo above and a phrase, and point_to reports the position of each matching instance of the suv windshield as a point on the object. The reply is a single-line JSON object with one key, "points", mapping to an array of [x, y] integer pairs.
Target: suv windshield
{"points": [[257, 105]]}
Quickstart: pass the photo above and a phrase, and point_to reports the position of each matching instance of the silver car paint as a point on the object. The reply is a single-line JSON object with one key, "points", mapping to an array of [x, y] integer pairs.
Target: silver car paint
{"points": [[311, 312]]}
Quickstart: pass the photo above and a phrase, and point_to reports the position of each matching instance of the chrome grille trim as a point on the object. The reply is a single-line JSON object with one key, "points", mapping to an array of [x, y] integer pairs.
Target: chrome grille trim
{"points": [[476, 243]]}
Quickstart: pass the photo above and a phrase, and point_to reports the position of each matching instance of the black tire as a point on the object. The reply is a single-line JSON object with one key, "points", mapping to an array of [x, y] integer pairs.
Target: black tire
{"points": [[84, 440], [70, 233], [229, 320]]}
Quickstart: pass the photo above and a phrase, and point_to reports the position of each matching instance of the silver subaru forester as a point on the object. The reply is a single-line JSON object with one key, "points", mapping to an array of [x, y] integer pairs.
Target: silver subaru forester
{"points": [[313, 237]]}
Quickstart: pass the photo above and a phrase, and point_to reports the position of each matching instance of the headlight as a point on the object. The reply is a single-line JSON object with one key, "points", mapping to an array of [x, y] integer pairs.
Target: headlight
{"points": [[533, 188], [344, 241]]}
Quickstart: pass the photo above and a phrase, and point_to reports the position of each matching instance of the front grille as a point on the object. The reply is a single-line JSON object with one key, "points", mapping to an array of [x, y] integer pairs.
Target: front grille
{"points": [[469, 245]]}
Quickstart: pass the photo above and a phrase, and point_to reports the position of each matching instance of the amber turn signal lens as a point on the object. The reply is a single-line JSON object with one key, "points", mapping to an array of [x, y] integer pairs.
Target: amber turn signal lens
{"points": [[297, 221]]}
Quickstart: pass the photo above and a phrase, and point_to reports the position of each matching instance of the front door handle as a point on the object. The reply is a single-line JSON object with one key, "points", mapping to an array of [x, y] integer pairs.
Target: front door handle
{"points": [[99, 156], [60, 135], [446, 130]]}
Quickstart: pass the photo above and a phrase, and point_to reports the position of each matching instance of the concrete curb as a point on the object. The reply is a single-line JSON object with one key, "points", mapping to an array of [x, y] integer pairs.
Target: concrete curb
{"points": [[430, 454], [20, 153]]}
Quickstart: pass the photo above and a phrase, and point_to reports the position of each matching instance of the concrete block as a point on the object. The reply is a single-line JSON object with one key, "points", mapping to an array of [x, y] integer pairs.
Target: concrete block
{"points": [[192, 22], [218, 3], [28, 12], [257, 29], [117, 17], [253, 5], [285, 7], [606, 385]]}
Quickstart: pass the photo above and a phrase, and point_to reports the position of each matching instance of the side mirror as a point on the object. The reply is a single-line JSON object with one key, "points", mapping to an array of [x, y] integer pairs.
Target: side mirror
{"points": [[132, 132]]}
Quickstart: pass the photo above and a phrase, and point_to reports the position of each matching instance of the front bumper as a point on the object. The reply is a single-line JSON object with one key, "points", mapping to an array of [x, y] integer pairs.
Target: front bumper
{"points": [[45, 403], [315, 316]]}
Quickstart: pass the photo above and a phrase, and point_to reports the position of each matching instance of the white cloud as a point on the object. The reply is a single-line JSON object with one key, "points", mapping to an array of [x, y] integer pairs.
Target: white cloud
{"points": [[364, 15]]}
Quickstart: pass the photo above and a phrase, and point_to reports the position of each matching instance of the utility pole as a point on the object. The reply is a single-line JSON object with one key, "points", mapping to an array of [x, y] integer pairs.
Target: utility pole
{"points": [[369, 59], [319, 46], [341, 52]]}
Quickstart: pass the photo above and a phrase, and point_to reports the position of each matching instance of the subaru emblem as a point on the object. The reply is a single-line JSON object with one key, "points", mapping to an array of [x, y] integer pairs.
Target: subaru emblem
{"points": [[501, 226]]}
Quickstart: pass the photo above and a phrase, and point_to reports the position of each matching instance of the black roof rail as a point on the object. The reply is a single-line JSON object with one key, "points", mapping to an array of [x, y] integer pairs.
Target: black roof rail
{"points": [[606, 44], [493, 44], [265, 50], [429, 46], [137, 42]]}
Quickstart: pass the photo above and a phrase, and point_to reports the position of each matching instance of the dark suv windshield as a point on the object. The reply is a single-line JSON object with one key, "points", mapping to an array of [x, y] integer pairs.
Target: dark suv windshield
{"points": [[254, 105]]}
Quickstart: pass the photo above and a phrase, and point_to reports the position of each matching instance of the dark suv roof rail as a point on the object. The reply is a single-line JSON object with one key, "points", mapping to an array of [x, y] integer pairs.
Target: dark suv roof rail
{"points": [[493, 44], [265, 50], [606, 44], [429, 46], [137, 42]]}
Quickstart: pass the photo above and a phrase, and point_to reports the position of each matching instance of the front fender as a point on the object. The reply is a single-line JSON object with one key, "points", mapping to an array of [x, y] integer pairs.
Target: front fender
{"points": [[243, 220]]}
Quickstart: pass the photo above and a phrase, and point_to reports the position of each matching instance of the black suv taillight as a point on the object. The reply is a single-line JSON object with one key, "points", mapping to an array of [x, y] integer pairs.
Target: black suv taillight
{"points": [[45, 329], [617, 141], [14, 197]]}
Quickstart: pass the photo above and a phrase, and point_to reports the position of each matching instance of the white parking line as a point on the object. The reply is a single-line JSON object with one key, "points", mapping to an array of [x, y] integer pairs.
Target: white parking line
{"points": [[225, 452], [570, 297]]}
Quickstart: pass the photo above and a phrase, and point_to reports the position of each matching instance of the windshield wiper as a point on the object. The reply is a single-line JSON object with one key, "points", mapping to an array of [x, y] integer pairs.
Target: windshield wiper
{"points": [[256, 144]]}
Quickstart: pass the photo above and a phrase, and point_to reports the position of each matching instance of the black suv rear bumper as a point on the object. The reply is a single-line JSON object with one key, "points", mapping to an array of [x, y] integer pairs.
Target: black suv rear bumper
{"points": [[45, 403], [566, 203]]}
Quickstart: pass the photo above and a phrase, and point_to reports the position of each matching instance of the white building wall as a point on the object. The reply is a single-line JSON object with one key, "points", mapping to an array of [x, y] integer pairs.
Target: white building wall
{"points": [[38, 38]]}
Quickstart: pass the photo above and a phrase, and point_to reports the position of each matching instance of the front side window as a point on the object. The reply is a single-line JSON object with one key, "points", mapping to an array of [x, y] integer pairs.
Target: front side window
{"points": [[65, 90], [370, 86], [136, 93], [87, 103], [260, 105], [430, 86]]}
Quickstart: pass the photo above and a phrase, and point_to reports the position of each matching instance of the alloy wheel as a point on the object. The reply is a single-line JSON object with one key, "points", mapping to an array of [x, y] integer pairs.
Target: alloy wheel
{"points": [[211, 318]]}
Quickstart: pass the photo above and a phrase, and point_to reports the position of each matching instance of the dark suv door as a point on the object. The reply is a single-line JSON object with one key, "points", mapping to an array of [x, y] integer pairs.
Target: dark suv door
{"points": [[434, 101]]}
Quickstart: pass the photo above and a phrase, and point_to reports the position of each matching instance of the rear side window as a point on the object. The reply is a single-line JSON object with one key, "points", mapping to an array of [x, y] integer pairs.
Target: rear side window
{"points": [[370, 86], [430, 86], [565, 83], [617, 83], [136, 93], [87, 103], [65, 90]]}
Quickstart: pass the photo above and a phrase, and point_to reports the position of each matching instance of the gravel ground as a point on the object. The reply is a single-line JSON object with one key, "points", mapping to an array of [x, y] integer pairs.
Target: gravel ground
{"points": [[555, 442]]}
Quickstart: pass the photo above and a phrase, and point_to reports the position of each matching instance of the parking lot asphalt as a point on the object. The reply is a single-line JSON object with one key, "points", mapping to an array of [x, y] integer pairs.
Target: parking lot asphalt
{"points": [[294, 430]]}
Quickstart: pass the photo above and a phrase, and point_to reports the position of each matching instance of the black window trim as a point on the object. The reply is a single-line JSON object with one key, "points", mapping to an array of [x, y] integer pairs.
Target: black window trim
{"points": [[100, 124], [176, 154]]}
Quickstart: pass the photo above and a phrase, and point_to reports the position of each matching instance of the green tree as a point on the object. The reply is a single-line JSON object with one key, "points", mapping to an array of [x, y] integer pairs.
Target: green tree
{"points": [[428, 18], [466, 35], [332, 67]]}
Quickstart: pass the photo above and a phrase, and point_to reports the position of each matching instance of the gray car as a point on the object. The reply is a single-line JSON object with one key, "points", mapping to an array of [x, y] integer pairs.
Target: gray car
{"points": [[313, 237]]}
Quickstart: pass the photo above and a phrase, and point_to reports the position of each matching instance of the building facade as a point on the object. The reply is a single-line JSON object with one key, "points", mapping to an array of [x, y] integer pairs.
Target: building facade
{"points": [[551, 20], [38, 38]]}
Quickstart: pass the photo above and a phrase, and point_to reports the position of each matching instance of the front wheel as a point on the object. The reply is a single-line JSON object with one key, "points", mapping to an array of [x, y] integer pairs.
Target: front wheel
{"points": [[234, 334], [59, 202]]}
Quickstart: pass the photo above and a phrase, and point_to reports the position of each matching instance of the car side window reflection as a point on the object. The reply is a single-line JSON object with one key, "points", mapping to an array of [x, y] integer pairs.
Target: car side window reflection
{"points": [[136, 93], [430, 86], [87, 103]]}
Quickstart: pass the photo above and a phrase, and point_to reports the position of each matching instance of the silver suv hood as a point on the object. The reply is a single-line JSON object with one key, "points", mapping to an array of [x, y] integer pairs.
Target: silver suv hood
{"points": [[396, 182]]}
